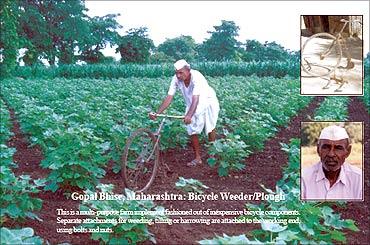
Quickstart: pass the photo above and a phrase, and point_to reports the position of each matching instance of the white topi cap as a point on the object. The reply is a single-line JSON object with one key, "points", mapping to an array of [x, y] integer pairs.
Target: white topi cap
{"points": [[181, 64], [333, 133]]}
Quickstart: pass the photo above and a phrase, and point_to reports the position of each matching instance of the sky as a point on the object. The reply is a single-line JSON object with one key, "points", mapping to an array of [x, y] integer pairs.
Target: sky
{"points": [[277, 21]]}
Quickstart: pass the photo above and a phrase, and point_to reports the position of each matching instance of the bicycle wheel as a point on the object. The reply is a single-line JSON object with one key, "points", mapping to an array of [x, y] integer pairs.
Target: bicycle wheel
{"points": [[320, 55], [140, 160]]}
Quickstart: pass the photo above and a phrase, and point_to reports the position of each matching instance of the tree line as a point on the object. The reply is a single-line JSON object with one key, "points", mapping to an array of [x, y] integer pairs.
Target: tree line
{"points": [[61, 32]]}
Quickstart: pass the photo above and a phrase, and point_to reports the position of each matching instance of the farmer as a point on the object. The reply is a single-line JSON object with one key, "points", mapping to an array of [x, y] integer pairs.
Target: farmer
{"points": [[201, 105], [332, 177]]}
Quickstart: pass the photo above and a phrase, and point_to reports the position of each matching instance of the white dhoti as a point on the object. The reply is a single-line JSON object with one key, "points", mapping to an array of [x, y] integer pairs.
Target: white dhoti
{"points": [[206, 119], [206, 114]]}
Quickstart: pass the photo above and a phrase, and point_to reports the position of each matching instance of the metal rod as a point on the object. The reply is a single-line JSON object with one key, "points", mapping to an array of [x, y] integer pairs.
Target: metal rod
{"points": [[170, 116]]}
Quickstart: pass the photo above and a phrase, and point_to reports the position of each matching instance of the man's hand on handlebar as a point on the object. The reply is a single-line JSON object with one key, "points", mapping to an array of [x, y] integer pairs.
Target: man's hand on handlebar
{"points": [[187, 120], [152, 115]]}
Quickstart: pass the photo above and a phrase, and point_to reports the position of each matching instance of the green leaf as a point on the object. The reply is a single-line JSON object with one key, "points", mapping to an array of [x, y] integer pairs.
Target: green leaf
{"points": [[19, 236], [13, 210], [116, 241], [337, 235], [350, 224], [100, 236], [223, 171], [212, 161], [26, 232], [33, 240], [132, 236], [10, 236], [40, 182], [190, 185], [51, 186], [232, 240], [128, 226], [287, 236], [7, 197], [272, 227]]}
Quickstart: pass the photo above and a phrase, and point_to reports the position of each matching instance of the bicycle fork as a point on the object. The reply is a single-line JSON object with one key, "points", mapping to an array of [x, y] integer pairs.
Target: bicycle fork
{"points": [[157, 135]]}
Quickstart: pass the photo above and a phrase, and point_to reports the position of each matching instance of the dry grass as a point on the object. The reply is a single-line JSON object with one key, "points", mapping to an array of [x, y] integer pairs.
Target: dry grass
{"points": [[309, 156]]}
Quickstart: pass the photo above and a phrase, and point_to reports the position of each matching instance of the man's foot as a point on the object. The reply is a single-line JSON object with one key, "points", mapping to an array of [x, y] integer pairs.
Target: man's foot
{"points": [[194, 162]]}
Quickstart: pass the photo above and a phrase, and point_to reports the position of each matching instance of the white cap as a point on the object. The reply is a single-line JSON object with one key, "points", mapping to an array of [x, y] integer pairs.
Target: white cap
{"points": [[333, 133], [181, 64]]}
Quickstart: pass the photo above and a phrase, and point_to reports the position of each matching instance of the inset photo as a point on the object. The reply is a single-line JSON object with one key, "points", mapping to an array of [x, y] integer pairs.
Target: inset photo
{"points": [[332, 55], [332, 166]]}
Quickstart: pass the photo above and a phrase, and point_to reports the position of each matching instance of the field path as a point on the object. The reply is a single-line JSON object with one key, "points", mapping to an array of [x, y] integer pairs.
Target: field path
{"points": [[263, 167], [27, 157]]}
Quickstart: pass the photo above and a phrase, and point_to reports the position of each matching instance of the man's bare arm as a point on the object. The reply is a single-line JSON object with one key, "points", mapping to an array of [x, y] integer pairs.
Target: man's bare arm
{"points": [[165, 103]]}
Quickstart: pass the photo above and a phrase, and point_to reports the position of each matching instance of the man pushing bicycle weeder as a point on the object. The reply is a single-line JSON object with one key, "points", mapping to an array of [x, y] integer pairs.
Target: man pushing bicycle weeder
{"points": [[202, 106]]}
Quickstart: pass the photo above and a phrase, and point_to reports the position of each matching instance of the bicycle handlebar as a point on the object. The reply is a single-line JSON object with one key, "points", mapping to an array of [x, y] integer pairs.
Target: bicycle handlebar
{"points": [[169, 116], [352, 21]]}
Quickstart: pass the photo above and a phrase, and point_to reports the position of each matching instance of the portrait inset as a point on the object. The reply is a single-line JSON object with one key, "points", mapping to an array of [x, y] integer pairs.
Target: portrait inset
{"points": [[332, 161]]}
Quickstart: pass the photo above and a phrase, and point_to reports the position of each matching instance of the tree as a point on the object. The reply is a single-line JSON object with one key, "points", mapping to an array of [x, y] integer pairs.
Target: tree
{"points": [[256, 51], [102, 32], [160, 57], [183, 47], [61, 30], [54, 28], [33, 28], [9, 39], [222, 45], [136, 46], [274, 51]]}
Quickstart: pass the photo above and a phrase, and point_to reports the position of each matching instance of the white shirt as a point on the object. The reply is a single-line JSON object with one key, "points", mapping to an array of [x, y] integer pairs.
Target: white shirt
{"points": [[316, 186], [198, 86]]}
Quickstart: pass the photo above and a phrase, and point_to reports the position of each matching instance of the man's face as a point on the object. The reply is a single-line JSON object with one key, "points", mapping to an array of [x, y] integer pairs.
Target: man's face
{"points": [[333, 153], [183, 74]]}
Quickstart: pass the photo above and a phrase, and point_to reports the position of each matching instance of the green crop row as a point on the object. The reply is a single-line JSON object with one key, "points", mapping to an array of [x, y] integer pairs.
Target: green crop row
{"points": [[262, 68], [6, 156], [367, 65], [15, 191], [15, 199], [81, 124], [366, 97], [5, 124], [318, 224], [332, 109]]}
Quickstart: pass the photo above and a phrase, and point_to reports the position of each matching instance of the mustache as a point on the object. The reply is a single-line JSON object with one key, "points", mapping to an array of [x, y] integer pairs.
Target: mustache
{"points": [[331, 159]]}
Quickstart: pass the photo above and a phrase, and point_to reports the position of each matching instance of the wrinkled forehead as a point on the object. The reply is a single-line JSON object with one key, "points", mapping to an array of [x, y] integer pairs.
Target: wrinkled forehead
{"points": [[182, 70], [342, 142]]}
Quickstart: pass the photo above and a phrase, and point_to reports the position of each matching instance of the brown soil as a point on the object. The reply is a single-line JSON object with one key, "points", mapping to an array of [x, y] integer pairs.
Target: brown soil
{"points": [[261, 168], [26, 157]]}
